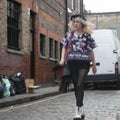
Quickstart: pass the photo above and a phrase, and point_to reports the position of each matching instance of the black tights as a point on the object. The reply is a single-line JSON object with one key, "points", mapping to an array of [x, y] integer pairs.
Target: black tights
{"points": [[79, 72]]}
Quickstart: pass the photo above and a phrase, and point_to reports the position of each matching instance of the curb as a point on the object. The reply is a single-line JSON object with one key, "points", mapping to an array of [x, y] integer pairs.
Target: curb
{"points": [[39, 93], [10, 102]]}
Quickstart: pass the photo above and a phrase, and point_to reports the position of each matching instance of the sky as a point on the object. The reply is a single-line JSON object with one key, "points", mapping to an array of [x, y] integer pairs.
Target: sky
{"points": [[96, 6]]}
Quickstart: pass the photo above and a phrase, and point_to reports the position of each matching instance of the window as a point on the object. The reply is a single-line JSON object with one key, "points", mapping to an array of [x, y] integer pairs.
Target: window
{"points": [[13, 14], [73, 4], [50, 47], [56, 50], [78, 5], [42, 44]]}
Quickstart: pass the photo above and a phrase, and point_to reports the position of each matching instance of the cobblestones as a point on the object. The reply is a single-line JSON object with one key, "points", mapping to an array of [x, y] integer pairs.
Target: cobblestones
{"points": [[98, 105]]}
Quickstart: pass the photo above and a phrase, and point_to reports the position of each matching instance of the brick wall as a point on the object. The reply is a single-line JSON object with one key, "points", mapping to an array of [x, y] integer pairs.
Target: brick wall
{"points": [[52, 16], [52, 24], [3, 25], [13, 61]]}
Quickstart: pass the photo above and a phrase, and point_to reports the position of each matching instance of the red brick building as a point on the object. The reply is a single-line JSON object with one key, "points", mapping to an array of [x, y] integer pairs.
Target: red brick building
{"points": [[30, 35]]}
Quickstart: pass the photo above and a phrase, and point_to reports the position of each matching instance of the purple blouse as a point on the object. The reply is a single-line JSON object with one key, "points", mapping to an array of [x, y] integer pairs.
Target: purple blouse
{"points": [[80, 46]]}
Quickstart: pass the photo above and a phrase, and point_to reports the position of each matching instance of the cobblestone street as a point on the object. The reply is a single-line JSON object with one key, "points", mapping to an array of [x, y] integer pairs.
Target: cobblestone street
{"points": [[98, 104]]}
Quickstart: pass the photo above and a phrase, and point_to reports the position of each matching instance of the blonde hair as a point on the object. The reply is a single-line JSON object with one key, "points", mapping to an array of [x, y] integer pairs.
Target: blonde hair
{"points": [[88, 27]]}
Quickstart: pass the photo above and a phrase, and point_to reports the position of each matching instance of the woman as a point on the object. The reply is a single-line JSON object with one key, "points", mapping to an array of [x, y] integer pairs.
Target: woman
{"points": [[79, 57]]}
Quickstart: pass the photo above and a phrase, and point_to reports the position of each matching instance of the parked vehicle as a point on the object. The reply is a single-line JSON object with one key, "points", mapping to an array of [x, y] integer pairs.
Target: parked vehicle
{"points": [[107, 54]]}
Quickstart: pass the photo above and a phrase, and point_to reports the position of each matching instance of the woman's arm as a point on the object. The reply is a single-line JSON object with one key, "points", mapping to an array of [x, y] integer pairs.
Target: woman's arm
{"points": [[94, 69], [62, 56]]}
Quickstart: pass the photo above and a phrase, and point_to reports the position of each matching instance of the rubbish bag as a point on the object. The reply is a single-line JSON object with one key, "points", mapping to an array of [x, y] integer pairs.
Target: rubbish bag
{"points": [[19, 83], [2, 86], [6, 92]]}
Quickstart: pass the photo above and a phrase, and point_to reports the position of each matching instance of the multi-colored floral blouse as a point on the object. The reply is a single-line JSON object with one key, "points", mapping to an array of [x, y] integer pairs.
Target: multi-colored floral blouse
{"points": [[80, 46]]}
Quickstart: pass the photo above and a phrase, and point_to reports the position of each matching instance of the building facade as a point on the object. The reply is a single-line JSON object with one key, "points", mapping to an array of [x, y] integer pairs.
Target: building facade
{"points": [[30, 35], [108, 20]]}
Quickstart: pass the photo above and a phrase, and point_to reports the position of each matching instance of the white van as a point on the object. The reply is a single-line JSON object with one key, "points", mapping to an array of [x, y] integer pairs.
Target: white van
{"points": [[107, 55]]}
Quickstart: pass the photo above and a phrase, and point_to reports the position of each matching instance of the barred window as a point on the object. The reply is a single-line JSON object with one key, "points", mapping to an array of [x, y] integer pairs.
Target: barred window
{"points": [[13, 14]]}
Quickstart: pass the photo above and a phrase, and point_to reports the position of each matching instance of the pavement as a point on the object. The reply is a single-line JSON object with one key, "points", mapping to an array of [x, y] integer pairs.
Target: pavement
{"points": [[39, 93]]}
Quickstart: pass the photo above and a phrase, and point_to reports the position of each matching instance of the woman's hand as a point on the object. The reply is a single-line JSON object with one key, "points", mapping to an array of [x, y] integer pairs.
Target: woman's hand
{"points": [[94, 69], [61, 62]]}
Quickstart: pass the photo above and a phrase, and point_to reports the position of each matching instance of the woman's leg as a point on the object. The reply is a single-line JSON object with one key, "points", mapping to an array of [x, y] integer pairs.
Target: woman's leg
{"points": [[82, 73], [79, 86], [78, 77]]}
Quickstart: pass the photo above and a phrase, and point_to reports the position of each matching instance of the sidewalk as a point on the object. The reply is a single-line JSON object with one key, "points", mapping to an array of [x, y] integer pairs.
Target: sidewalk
{"points": [[39, 93]]}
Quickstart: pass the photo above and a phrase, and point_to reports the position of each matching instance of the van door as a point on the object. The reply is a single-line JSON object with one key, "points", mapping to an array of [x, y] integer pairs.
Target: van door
{"points": [[105, 56]]}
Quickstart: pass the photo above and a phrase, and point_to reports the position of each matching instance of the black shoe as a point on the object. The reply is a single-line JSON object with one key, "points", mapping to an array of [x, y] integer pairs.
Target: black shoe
{"points": [[77, 118], [82, 117]]}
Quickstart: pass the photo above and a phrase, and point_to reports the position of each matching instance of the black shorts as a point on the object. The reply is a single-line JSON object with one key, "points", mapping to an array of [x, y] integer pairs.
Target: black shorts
{"points": [[79, 64]]}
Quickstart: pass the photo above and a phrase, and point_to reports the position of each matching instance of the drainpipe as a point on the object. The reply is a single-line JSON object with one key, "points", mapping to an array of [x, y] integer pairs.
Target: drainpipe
{"points": [[66, 16]]}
